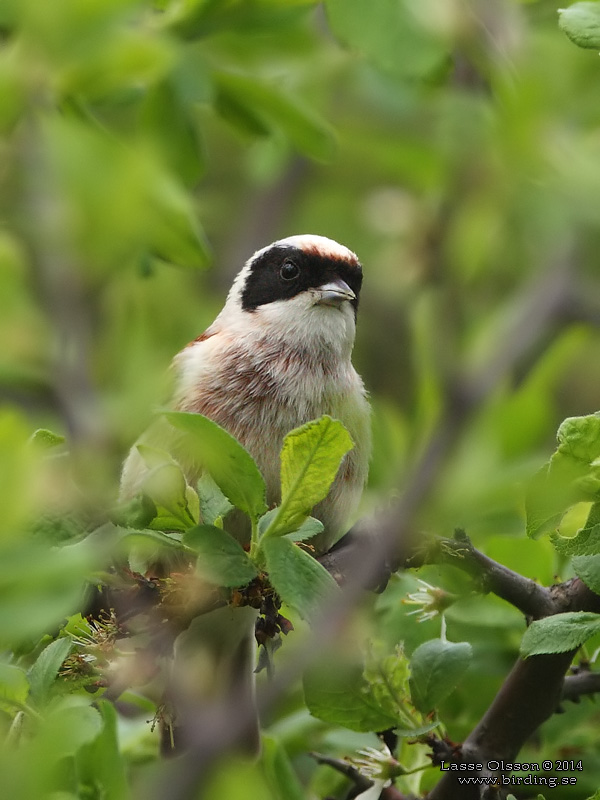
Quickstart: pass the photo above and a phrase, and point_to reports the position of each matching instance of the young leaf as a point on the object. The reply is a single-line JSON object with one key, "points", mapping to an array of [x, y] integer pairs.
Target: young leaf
{"points": [[67, 728], [259, 107], [169, 121], [47, 439], [148, 536], [166, 487], [587, 540], [45, 668], [231, 466], [309, 528], [296, 576], [40, 585], [145, 547], [279, 772], [338, 693], [14, 687], [310, 459], [572, 475], [381, 29], [588, 569], [559, 633], [213, 503], [176, 234], [100, 763], [436, 667], [221, 559], [388, 679], [184, 499], [581, 23]]}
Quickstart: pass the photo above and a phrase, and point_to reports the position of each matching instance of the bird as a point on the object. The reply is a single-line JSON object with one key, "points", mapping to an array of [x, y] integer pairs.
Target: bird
{"points": [[277, 356]]}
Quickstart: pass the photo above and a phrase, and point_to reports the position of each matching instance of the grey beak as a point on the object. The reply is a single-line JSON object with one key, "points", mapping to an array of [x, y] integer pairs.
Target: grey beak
{"points": [[334, 293]]}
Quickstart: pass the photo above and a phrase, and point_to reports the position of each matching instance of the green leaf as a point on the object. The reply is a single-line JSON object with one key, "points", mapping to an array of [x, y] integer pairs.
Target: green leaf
{"points": [[198, 18], [280, 774], [67, 728], [213, 503], [388, 679], [176, 234], [588, 569], [14, 688], [579, 438], [309, 528], [559, 633], [338, 693], [165, 485], [310, 459], [232, 106], [45, 668], [436, 667], [169, 121], [47, 439], [133, 536], [572, 475], [40, 585], [587, 540], [300, 580], [388, 34], [100, 763], [581, 23], [231, 466], [221, 559], [259, 107]]}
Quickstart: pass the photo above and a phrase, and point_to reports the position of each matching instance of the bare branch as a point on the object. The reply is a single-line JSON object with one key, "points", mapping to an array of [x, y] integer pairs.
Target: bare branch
{"points": [[528, 596], [345, 768], [530, 695], [583, 682]]}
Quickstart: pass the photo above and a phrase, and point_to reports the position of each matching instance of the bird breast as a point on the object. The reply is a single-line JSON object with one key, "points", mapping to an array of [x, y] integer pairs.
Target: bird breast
{"points": [[261, 392]]}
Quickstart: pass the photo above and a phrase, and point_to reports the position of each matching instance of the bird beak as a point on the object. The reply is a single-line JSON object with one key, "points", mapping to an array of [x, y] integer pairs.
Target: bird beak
{"points": [[334, 293]]}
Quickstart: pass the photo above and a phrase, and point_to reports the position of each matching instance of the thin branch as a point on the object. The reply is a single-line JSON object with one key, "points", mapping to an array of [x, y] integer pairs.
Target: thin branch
{"points": [[584, 682], [528, 596], [345, 768], [528, 697], [360, 782], [532, 599]]}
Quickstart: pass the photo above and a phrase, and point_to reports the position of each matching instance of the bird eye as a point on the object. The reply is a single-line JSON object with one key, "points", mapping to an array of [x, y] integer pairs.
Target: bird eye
{"points": [[289, 271]]}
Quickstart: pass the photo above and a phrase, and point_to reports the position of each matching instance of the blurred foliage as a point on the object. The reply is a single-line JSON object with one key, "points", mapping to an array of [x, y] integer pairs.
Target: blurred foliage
{"points": [[146, 149]]}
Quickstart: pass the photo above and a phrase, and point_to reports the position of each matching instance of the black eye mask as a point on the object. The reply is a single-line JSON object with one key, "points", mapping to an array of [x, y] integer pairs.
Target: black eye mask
{"points": [[282, 272]]}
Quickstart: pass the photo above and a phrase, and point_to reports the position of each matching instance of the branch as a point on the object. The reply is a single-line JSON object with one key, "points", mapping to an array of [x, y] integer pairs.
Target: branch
{"points": [[360, 782], [346, 769], [528, 697], [525, 594], [583, 682], [528, 596]]}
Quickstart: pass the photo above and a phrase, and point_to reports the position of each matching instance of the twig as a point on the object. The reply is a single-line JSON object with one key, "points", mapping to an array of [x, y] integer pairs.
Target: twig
{"points": [[582, 683], [346, 769], [530, 695], [531, 598], [528, 596]]}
